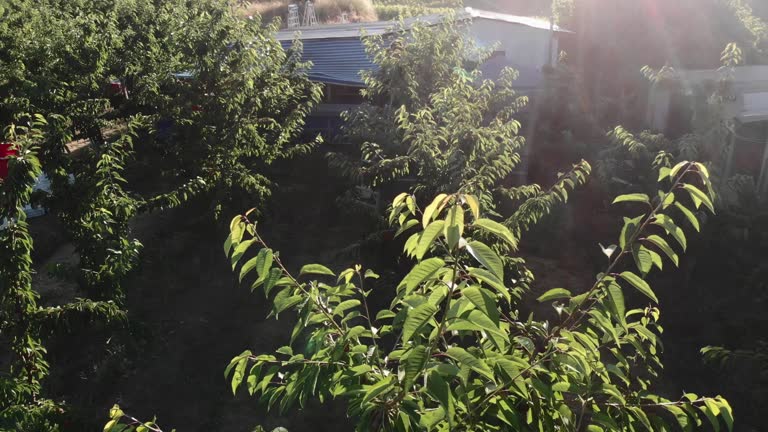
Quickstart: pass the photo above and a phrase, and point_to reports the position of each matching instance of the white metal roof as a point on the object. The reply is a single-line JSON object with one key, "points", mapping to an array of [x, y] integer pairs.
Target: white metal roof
{"points": [[355, 30]]}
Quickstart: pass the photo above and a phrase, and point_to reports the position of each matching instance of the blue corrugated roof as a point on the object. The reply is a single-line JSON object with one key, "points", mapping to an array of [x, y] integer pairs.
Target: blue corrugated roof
{"points": [[336, 61]]}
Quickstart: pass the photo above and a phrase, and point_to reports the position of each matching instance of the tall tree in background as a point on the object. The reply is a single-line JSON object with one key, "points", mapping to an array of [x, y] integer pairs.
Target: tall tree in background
{"points": [[431, 118], [221, 96], [210, 98]]}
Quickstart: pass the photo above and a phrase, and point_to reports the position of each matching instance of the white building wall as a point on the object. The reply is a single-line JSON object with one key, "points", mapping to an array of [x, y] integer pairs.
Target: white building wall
{"points": [[527, 49]]}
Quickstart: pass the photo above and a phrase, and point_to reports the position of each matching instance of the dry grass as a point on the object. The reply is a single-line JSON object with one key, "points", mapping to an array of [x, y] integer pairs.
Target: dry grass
{"points": [[328, 11]]}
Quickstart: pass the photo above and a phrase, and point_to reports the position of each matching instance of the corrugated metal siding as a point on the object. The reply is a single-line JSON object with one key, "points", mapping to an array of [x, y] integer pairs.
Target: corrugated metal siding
{"points": [[336, 61]]}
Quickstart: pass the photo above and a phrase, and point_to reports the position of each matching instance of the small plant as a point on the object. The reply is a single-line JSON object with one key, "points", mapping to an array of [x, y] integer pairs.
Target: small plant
{"points": [[454, 351], [119, 421]]}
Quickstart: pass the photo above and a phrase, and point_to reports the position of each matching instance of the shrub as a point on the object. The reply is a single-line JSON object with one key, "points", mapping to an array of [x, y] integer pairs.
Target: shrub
{"points": [[453, 351]]}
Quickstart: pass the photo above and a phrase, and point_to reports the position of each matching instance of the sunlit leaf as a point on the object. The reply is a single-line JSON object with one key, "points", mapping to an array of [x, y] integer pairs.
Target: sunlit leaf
{"points": [[316, 269], [640, 284], [498, 230], [641, 198], [554, 294]]}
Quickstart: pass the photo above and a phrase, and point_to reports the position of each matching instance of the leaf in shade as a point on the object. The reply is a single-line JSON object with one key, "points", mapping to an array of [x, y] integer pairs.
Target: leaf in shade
{"points": [[417, 318]]}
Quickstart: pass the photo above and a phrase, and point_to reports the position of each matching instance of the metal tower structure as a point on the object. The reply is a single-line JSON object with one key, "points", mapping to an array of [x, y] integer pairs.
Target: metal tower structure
{"points": [[293, 16], [310, 17]]}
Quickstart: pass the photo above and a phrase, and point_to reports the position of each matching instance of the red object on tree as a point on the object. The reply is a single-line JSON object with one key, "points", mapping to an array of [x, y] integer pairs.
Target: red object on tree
{"points": [[197, 108], [116, 87], [6, 151]]}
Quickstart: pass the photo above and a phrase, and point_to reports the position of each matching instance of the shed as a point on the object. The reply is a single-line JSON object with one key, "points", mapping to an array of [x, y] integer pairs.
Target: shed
{"points": [[747, 111], [338, 54]]}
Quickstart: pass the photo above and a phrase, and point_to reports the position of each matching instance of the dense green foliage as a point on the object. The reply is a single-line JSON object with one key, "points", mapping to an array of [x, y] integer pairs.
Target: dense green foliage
{"points": [[432, 119], [182, 99], [23, 322], [209, 99], [453, 351]]}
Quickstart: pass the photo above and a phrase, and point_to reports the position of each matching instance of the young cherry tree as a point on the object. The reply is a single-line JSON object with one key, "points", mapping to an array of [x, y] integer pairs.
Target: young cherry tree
{"points": [[24, 323], [431, 117], [453, 351]]}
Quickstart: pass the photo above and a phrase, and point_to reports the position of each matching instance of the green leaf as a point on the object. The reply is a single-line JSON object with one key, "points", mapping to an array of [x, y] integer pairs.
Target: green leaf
{"points": [[410, 223], [672, 229], [240, 250], [446, 369], [410, 202], [669, 199], [699, 197], [640, 284], [711, 416], [379, 388], [487, 257], [636, 197], [429, 212], [428, 419], [641, 416], [676, 169], [261, 262], [437, 387], [682, 418], [554, 294], [694, 221], [284, 300], [455, 218], [417, 318], [316, 269], [629, 229], [344, 306], [489, 278], [498, 230], [726, 413], [616, 301], [421, 272], [483, 301], [466, 359], [656, 259], [474, 205], [385, 314], [399, 199], [664, 246], [413, 363], [427, 237], [228, 245], [452, 236], [499, 337], [237, 377], [664, 173], [271, 280], [643, 258]]}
